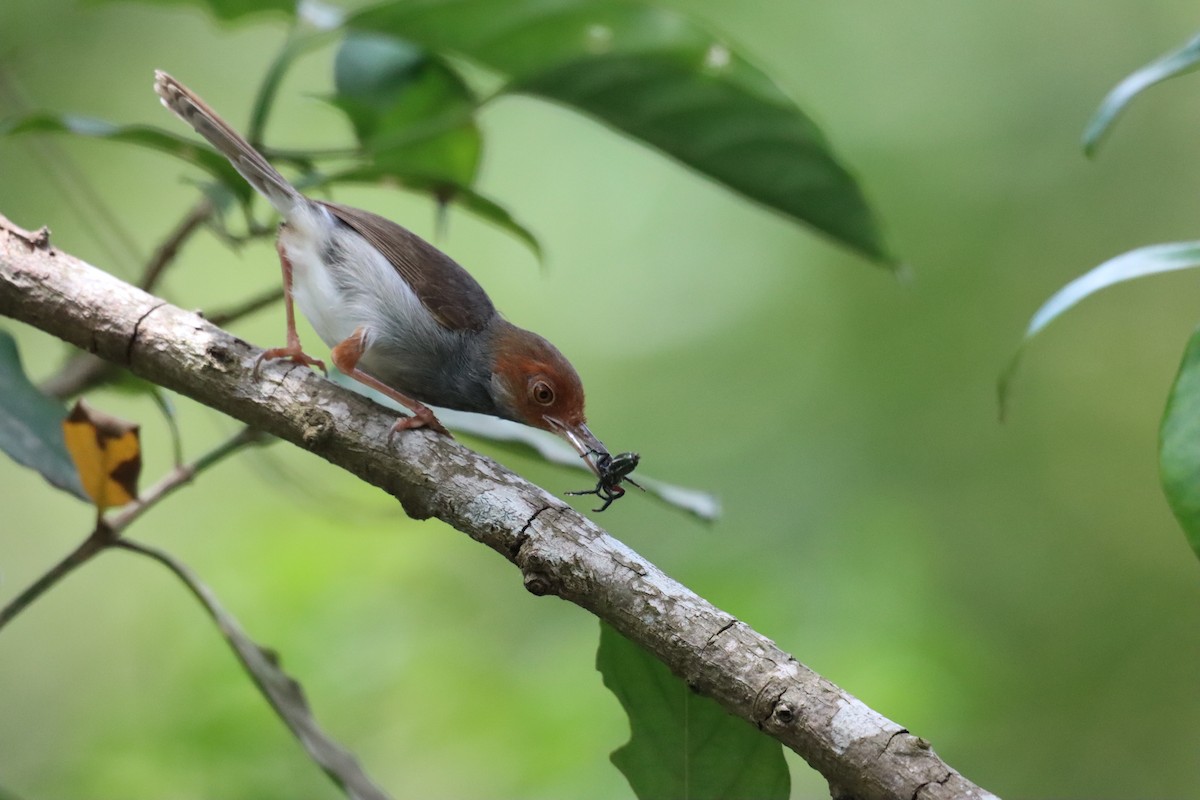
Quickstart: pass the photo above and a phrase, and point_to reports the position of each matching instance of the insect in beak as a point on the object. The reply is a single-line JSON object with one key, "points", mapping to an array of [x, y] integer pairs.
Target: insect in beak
{"points": [[612, 470]]}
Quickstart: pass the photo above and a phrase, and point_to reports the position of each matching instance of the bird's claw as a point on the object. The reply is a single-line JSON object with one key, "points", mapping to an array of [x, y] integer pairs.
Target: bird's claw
{"points": [[423, 418], [291, 353]]}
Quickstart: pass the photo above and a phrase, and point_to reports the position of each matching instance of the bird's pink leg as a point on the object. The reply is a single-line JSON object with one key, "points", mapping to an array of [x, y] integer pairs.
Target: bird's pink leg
{"points": [[346, 356], [292, 352]]}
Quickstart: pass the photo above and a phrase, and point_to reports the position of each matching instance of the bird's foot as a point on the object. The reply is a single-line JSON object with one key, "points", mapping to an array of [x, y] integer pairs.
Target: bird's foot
{"points": [[291, 353], [421, 418]]}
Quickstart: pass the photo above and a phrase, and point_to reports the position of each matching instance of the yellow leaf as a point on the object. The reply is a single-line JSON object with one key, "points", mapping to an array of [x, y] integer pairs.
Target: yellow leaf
{"points": [[107, 453]]}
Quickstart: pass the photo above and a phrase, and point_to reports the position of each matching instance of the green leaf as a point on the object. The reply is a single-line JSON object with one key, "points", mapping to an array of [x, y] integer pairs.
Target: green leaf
{"points": [[376, 69], [1177, 62], [659, 77], [148, 136], [226, 9], [31, 424], [410, 111], [1179, 445], [1138, 263], [684, 745]]}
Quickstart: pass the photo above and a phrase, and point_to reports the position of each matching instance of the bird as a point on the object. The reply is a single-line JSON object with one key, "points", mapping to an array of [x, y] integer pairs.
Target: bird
{"points": [[399, 315]]}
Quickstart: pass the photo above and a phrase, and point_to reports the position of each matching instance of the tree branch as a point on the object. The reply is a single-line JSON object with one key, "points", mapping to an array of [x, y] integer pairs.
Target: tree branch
{"points": [[861, 753]]}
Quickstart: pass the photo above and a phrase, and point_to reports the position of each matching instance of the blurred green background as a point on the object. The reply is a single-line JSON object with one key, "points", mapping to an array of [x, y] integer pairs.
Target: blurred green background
{"points": [[1018, 594]]}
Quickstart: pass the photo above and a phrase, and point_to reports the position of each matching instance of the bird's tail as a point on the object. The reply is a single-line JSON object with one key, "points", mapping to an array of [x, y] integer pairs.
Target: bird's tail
{"points": [[245, 159]]}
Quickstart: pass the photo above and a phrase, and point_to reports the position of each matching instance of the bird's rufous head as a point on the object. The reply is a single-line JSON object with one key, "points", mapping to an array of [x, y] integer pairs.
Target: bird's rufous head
{"points": [[534, 384]]}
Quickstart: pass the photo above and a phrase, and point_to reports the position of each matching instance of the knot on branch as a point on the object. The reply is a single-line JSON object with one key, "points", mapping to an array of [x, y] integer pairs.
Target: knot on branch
{"points": [[771, 710], [36, 240], [784, 714], [537, 584], [221, 357], [318, 425]]}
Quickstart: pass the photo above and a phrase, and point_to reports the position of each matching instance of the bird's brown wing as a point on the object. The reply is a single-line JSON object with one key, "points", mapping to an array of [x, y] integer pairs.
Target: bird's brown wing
{"points": [[447, 290]]}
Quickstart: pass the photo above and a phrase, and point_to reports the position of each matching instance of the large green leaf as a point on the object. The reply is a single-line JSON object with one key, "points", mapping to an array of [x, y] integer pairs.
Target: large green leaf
{"points": [[657, 76], [1177, 62], [1179, 445], [177, 145], [684, 745], [31, 424], [1139, 263], [410, 111]]}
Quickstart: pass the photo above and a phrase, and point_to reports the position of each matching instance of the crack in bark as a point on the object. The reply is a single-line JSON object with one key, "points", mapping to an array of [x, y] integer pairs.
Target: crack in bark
{"points": [[137, 327], [891, 739], [916, 795], [522, 536], [721, 630]]}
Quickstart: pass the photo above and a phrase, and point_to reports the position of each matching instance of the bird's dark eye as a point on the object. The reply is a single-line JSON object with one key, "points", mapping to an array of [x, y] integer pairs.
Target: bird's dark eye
{"points": [[542, 393]]}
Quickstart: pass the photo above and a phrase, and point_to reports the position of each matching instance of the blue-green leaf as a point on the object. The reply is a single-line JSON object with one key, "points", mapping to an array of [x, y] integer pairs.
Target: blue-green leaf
{"points": [[1139, 263], [31, 424], [683, 745], [1179, 445], [1177, 62]]}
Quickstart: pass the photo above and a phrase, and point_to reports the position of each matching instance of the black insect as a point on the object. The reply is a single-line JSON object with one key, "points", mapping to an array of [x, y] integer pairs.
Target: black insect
{"points": [[613, 470]]}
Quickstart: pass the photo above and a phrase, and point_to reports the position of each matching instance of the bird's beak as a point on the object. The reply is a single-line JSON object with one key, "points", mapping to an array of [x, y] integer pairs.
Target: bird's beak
{"points": [[583, 440]]}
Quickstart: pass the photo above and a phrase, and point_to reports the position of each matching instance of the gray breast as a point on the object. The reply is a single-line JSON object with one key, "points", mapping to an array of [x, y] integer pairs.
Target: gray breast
{"points": [[448, 369]]}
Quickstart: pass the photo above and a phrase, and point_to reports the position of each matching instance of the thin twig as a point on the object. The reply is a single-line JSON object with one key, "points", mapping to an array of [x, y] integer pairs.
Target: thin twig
{"points": [[79, 373], [256, 303], [166, 252], [95, 544]]}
